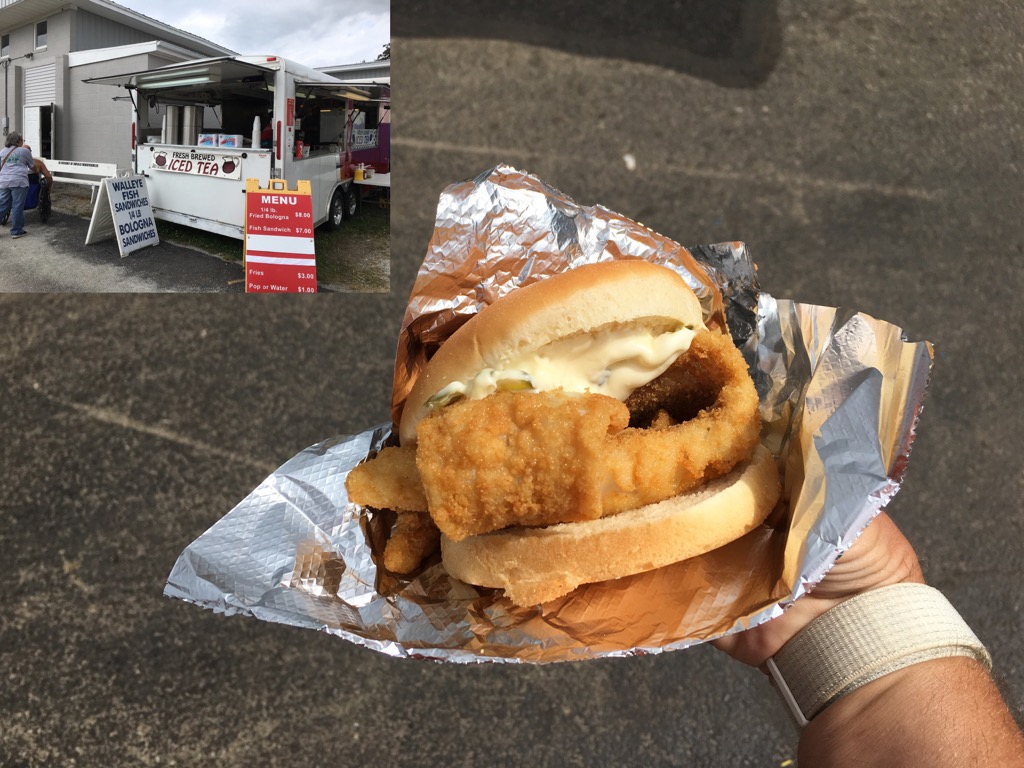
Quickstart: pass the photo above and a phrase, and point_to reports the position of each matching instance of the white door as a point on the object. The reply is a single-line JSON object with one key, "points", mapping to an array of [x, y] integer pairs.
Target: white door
{"points": [[32, 129], [40, 130]]}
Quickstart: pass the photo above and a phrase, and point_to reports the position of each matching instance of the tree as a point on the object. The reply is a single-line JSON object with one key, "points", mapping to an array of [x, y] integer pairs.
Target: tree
{"points": [[385, 55]]}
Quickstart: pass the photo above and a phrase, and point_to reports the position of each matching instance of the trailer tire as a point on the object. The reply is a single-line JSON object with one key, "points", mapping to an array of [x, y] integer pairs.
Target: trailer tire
{"points": [[336, 211], [351, 202]]}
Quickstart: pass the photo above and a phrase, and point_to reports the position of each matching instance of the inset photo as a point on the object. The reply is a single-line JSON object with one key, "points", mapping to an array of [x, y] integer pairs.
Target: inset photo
{"points": [[183, 148]]}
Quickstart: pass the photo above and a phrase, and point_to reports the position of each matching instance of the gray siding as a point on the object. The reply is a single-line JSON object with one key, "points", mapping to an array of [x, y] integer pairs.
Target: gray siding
{"points": [[100, 129], [370, 72], [92, 31], [58, 33], [90, 125], [22, 42]]}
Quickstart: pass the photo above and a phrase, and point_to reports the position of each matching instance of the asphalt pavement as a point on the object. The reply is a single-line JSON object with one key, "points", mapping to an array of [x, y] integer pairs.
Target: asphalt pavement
{"points": [[53, 258], [869, 155]]}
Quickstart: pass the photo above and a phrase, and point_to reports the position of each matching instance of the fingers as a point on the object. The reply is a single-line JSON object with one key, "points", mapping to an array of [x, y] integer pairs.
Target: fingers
{"points": [[879, 557]]}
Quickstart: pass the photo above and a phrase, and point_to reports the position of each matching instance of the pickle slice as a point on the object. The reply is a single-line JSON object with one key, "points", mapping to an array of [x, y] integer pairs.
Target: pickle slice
{"points": [[504, 381], [446, 396], [514, 383]]}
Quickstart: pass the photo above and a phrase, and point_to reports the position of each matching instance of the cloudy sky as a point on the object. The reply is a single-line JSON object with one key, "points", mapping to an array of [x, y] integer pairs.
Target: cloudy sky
{"points": [[316, 33]]}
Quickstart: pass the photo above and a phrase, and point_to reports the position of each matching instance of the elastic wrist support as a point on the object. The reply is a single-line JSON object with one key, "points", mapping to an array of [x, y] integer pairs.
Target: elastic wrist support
{"points": [[864, 638]]}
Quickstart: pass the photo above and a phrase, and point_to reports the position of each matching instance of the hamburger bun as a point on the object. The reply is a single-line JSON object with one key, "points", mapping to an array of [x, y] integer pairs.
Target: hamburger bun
{"points": [[534, 565], [586, 299]]}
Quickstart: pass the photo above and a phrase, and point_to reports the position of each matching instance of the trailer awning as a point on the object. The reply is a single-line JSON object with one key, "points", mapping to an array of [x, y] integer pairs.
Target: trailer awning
{"points": [[190, 73], [336, 90]]}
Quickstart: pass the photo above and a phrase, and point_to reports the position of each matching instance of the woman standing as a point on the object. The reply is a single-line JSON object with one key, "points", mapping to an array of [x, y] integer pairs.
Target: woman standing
{"points": [[15, 164]]}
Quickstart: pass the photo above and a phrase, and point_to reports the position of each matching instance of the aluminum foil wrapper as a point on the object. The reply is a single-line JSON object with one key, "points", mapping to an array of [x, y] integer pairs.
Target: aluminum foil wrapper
{"points": [[840, 392]]}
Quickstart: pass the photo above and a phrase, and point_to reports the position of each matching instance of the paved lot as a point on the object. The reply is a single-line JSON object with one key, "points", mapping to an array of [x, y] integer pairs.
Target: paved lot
{"points": [[53, 258], [869, 154]]}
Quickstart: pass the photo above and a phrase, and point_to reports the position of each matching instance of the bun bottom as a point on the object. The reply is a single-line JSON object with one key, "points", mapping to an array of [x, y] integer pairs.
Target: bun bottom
{"points": [[534, 565]]}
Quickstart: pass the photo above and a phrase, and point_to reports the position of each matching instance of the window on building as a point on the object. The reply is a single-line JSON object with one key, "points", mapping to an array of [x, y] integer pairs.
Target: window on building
{"points": [[5, 45], [41, 34]]}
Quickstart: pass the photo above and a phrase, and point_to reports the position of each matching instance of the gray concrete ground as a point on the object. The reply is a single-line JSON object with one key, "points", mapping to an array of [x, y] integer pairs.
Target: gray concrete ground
{"points": [[53, 258], [868, 153]]}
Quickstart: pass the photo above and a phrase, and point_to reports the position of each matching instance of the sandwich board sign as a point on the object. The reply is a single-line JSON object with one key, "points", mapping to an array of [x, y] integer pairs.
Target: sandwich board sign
{"points": [[279, 253], [122, 210]]}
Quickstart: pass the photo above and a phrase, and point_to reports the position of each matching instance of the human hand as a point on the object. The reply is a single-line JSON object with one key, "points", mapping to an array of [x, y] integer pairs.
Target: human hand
{"points": [[881, 556]]}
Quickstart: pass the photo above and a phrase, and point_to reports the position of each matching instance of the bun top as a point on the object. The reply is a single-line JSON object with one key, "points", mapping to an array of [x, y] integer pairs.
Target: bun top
{"points": [[618, 296]]}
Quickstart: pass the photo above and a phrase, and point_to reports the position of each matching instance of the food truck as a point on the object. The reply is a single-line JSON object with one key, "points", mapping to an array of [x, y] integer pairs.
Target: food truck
{"points": [[202, 127]]}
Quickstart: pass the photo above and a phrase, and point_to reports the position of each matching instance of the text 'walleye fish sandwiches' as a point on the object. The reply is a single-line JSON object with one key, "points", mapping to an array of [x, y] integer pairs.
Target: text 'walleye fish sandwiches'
{"points": [[583, 428]]}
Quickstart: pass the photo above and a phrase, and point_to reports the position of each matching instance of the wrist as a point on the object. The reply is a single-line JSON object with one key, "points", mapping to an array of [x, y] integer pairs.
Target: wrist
{"points": [[865, 638]]}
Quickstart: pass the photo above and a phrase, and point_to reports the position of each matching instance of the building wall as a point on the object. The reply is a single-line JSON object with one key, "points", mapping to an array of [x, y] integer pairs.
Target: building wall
{"points": [[91, 31], [58, 33], [89, 124], [102, 125], [59, 28], [368, 71], [22, 42], [50, 89]]}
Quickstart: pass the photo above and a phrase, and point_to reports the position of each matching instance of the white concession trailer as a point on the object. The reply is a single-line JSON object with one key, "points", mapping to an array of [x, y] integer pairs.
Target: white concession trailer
{"points": [[201, 128]]}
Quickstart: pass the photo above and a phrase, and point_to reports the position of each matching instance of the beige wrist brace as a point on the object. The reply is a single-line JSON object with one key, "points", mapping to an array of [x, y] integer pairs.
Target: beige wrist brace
{"points": [[864, 638]]}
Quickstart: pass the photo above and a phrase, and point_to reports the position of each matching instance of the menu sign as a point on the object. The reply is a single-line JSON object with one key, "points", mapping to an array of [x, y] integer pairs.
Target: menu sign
{"points": [[280, 256]]}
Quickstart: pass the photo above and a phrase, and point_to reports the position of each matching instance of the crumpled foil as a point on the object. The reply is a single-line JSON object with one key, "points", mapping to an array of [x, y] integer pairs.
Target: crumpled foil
{"points": [[840, 393]]}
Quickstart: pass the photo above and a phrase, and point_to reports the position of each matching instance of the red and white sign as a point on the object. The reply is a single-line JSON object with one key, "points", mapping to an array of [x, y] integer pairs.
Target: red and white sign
{"points": [[280, 256]]}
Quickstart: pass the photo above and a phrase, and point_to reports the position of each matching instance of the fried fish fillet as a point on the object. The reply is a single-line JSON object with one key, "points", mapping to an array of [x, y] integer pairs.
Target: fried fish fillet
{"points": [[390, 480], [413, 539], [517, 458]]}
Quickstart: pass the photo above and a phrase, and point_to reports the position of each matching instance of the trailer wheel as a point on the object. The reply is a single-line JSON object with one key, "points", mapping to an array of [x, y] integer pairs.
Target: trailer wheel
{"points": [[351, 201], [336, 213]]}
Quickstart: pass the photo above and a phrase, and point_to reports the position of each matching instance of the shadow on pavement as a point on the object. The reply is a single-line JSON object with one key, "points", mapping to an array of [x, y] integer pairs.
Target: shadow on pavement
{"points": [[734, 43]]}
